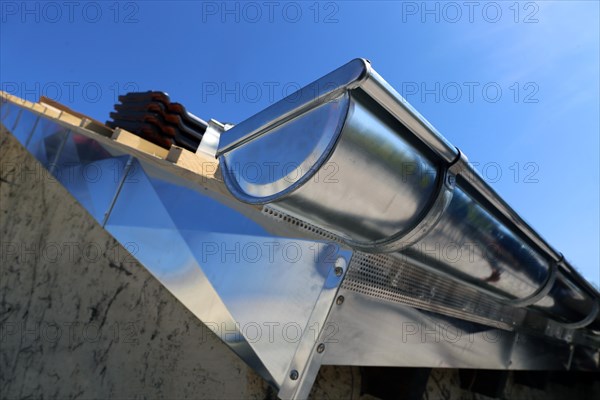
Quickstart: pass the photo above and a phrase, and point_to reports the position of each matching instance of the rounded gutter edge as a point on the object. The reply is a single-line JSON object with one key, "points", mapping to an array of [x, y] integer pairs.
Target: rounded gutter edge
{"points": [[347, 77], [366, 72], [381, 92], [234, 188]]}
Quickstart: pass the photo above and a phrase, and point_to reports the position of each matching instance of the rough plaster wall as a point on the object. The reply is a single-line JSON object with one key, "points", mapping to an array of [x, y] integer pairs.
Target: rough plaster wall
{"points": [[81, 318]]}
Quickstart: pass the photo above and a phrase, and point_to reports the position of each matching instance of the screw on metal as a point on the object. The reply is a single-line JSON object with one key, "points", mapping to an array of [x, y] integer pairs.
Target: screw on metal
{"points": [[320, 348], [294, 375], [340, 263], [339, 300]]}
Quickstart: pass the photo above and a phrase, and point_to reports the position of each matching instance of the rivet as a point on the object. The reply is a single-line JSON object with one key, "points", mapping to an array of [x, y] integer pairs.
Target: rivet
{"points": [[294, 375], [339, 300], [320, 348], [451, 180]]}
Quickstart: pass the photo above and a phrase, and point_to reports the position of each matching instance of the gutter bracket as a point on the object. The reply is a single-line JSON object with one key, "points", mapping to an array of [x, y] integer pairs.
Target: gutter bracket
{"points": [[542, 290], [433, 215]]}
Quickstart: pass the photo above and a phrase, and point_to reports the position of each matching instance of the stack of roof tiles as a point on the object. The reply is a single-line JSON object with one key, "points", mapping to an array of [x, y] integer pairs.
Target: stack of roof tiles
{"points": [[155, 118]]}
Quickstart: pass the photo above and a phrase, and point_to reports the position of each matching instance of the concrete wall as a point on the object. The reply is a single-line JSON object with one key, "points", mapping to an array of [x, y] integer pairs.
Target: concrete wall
{"points": [[80, 318]]}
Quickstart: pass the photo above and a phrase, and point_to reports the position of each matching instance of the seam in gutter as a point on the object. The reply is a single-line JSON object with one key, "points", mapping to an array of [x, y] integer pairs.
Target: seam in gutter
{"points": [[118, 191], [542, 290], [584, 322], [459, 164], [431, 216], [500, 208], [383, 93]]}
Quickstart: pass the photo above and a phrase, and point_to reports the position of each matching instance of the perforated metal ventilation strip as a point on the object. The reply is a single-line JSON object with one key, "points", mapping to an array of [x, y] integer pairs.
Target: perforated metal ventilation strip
{"points": [[388, 278], [300, 224]]}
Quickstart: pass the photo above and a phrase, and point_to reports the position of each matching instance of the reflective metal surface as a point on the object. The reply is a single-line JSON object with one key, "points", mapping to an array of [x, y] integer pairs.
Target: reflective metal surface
{"points": [[398, 186], [286, 156], [470, 241], [210, 139], [403, 280], [342, 197], [21, 127], [392, 334], [569, 304], [442, 279], [318, 92], [263, 292], [261, 279], [386, 96]]}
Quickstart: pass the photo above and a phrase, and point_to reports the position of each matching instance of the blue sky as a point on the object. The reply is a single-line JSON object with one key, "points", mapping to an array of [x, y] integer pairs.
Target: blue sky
{"points": [[514, 85]]}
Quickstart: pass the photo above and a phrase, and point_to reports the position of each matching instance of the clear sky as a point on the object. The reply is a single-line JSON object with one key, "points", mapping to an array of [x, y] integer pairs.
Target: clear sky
{"points": [[515, 85]]}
